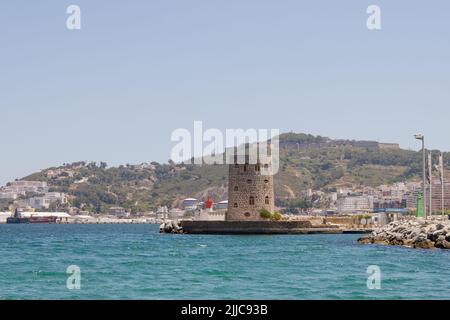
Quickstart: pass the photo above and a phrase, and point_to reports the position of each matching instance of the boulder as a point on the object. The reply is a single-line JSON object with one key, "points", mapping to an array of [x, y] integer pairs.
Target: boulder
{"points": [[417, 233], [424, 244], [365, 240], [446, 244], [168, 227]]}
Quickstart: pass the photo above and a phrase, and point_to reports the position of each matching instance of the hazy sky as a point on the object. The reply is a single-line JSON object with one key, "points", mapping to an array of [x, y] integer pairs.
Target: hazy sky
{"points": [[116, 89]]}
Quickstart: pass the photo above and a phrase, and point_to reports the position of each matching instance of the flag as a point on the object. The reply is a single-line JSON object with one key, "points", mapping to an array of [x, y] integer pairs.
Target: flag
{"points": [[441, 167], [430, 168]]}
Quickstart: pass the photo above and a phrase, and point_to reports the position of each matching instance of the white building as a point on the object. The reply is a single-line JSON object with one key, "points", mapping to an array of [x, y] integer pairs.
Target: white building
{"points": [[175, 214], [355, 204], [207, 215], [8, 195], [17, 188], [29, 186], [222, 205], [118, 212], [4, 216], [190, 204], [45, 201]]}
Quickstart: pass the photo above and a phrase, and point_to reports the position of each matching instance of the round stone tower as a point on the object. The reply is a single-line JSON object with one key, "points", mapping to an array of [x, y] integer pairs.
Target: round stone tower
{"points": [[249, 191]]}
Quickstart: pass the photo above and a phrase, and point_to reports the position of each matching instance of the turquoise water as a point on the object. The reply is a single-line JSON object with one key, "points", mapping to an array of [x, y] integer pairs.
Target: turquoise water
{"points": [[136, 262]]}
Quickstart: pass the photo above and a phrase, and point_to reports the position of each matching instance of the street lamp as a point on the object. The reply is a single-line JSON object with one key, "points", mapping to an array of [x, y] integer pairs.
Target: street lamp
{"points": [[421, 137]]}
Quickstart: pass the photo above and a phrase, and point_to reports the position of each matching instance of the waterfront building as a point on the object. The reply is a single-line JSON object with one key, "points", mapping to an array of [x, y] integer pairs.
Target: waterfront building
{"points": [[208, 215], [410, 198], [355, 204], [175, 214], [436, 194], [222, 205], [45, 201], [118, 212], [162, 212], [190, 204], [4, 216]]}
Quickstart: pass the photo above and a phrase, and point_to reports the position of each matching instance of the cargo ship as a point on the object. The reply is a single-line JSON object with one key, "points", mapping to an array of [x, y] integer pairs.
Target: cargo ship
{"points": [[17, 218]]}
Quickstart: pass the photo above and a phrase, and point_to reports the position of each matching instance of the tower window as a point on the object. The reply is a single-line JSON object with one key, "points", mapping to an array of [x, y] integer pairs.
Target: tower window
{"points": [[257, 167], [252, 201], [249, 181], [236, 188], [266, 200], [246, 167], [235, 205], [266, 181], [266, 166]]}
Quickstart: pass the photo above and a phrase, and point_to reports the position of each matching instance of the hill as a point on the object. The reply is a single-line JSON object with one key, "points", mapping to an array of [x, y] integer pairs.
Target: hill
{"points": [[306, 162]]}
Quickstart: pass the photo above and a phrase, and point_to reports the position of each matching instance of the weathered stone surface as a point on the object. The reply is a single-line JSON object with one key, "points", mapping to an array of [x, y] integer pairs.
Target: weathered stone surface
{"points": [[250, 190], [170, 227], [425, 244], [365, 240], [255, 227], [446, 244], [415, 233]]}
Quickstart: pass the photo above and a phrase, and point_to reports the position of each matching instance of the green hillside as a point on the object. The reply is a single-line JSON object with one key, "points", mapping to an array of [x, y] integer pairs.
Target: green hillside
{"points": [[306, 161]]}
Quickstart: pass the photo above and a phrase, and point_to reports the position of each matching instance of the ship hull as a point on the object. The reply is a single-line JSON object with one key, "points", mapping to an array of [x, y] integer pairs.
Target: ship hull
{"points": [[32, 220]]}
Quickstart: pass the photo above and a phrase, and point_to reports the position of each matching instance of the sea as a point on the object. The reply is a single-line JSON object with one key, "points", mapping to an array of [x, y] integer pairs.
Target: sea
{"points": [[135, 261]]}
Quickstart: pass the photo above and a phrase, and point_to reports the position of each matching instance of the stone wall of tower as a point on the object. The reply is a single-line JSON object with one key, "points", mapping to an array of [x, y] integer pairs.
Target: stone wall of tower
{"points": [[249, 191]]}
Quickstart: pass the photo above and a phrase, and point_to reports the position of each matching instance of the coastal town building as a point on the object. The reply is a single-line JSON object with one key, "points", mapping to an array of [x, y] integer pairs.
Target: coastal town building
{"points": [[8, 195], [46, 200], [15, 189], [436, 194], [208, 215], [190, 204], [355, 204], [222, 205], [118, 212]]}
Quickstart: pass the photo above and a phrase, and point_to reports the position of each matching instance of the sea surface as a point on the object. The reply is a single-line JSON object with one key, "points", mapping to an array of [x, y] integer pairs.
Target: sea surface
{"points": [[136, 262]]}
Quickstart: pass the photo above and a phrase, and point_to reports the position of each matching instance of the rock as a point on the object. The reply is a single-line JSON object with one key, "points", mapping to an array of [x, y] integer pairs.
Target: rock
{"points": [[440, 242], [440, 226], [408, 243], [171, 227], [365, 240], [446, 244], [417, 233], [425, 244], [168, 227]]}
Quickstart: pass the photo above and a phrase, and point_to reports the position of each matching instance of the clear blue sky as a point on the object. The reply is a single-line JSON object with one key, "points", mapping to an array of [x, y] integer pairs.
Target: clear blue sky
{"points": [[116, 89]]}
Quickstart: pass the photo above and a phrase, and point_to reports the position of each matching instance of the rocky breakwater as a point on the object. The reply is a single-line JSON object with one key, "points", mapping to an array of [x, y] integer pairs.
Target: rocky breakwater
{"points": [[418, 233], [170, 226]]}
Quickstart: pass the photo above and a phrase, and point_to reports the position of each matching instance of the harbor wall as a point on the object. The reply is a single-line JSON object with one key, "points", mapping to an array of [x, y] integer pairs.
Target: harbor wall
{"points": [[254, 227]]}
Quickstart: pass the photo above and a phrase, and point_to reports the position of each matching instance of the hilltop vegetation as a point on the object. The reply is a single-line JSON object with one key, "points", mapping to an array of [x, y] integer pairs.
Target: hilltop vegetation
{"points": [[306, 162]]}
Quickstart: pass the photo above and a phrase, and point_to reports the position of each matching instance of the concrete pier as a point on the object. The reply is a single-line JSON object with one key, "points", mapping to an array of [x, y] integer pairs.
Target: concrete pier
{"points": [[255, 227]]}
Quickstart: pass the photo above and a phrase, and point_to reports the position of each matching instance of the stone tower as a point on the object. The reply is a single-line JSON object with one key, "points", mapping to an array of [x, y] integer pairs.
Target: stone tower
{"points": [[249, 190]]}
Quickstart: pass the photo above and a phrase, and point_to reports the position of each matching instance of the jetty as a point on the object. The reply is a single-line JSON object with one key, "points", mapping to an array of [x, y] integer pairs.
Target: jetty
{"points": [[413, 233], [254, 227]]}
